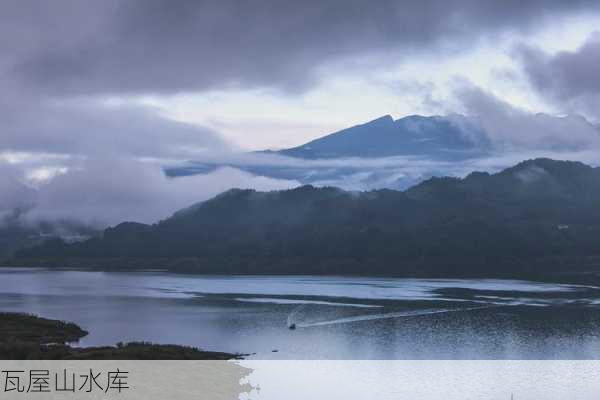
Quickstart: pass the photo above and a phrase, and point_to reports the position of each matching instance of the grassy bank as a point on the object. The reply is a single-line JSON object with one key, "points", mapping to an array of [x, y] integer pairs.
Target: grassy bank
{"points": [[28, 337]]}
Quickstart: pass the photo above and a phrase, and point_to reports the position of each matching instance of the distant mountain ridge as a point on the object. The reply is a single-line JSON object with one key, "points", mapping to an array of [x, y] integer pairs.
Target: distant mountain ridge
{"points": [[380, 153], [451, 137], [441, 138], [539, 217]]}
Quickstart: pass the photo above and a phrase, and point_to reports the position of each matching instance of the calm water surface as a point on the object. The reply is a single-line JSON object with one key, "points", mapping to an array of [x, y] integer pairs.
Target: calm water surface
{"points": [[335, 318]]}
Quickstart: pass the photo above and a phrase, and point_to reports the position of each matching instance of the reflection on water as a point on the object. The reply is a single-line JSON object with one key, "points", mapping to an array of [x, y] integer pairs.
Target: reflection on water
{"points": [[334, 317]]}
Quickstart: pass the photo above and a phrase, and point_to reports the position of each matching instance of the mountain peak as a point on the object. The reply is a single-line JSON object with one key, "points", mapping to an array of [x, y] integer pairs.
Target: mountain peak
{"points": [[416, 135], [383, 119]]}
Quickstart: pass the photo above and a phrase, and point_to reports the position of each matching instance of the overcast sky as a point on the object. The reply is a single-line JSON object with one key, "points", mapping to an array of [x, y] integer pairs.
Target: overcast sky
{"points": [[155, 81]]}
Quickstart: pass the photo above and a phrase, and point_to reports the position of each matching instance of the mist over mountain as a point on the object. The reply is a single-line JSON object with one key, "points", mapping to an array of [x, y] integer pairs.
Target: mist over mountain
{"points": [[451, 138], [538, 217], [382, 153], [17, 232]]}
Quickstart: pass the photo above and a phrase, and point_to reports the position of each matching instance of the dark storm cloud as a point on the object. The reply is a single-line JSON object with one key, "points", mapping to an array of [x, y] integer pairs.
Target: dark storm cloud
{"points": [[34, 120], [569, 78], [168, 46]]}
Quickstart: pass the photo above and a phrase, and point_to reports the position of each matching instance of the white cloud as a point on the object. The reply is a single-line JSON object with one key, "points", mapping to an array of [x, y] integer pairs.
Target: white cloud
{"points": [[514, 129], [109, 191]]}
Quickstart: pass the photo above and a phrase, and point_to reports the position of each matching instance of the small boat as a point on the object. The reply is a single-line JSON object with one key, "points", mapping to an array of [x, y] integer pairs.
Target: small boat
{"points": [[292, 326]]}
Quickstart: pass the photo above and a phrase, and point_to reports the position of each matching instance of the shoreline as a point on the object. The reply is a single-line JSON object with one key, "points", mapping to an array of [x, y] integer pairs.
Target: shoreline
{"points": [[30, 337], [575, 277]]}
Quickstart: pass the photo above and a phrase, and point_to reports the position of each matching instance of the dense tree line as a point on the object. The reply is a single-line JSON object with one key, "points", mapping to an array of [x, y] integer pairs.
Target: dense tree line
{"points": [[540, 215]]}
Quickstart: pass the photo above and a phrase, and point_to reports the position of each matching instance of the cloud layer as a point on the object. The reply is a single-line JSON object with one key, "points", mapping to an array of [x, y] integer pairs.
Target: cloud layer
{"points": [[568, 78], [513, 129], [160, 46], [107, 191], [85, 129]]}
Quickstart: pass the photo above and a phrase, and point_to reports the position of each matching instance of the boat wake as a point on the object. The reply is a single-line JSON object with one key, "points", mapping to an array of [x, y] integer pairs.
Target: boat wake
{"points": [[371, 317]]}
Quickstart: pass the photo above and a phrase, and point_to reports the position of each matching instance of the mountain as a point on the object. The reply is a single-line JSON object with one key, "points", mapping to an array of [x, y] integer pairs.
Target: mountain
{"points": [[18, 229], [452, 137], [396, 154], [324, 160], [536, 218], [16, 232]]}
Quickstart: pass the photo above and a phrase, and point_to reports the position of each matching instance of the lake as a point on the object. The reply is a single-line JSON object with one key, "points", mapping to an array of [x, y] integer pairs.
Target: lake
{"points": [[334, 317]]}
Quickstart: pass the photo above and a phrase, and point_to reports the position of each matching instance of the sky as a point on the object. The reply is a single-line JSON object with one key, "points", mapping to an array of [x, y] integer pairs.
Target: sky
{"points": [[98, 96]]}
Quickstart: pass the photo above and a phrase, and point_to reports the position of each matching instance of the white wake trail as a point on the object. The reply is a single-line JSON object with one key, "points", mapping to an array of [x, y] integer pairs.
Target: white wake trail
{"points": [[398, 314]]}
